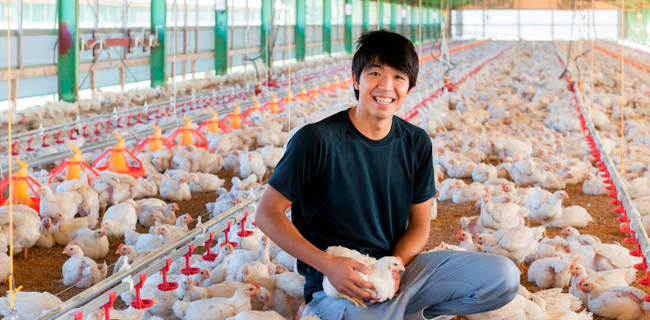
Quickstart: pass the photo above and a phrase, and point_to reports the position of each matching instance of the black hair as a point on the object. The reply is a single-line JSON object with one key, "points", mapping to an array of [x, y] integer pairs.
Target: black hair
{"points": [[389, 48]]}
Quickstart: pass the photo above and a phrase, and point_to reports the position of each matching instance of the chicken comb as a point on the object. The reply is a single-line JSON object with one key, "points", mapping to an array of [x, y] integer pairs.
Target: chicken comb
{"points": [[120, 246], [572, 265], [459, 231], [565, 227], [400, 260], [581, 282], [442, 245], [255, 285], [475, 236], [188, 215]]}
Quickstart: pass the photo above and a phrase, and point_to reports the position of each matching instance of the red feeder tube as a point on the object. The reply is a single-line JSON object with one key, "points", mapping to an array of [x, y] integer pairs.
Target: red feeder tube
{"points": [[13, 149], [188, 271], [97, 132], [139, 120], [641, 266], [226, 232], [158, 116], [58, 137], [45, 145], [108, 123], [148, 115], [166, 286], [78, 314], [119, 123], [29, 142], [128, 120], [109, 305], [72, 137], [209, 256], [141, 303], [243, 233]]}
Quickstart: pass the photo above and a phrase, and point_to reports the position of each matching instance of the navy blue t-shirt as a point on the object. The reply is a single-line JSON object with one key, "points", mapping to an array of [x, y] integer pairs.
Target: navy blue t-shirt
{"points": [[353, 191]]}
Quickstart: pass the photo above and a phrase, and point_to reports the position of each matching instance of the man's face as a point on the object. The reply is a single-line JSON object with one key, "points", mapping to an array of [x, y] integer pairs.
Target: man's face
{"points": [[382, 90]]}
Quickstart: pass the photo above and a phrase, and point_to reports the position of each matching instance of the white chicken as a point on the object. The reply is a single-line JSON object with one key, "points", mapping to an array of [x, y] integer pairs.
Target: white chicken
{"points": [[93, 243], [46, 240], [66, 203], [514, 243], [120, 217], [79, 271], [381, 275], [603, 256], [499, 216], [28, 305], [574, 216], [217, 308], [572, 234], [546, 207], [26, 225], [594, 185], [467, 243], [616, 302], [175, 190], [241, 257], [202, 182], [467, 193], [549, 272], [64, 226], [252, 163], [606, 279], [482, 172]]}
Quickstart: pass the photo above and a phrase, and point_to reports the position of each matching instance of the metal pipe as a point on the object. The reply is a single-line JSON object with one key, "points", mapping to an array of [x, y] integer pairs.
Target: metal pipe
{"points": [[621, 189], [216, 224]]}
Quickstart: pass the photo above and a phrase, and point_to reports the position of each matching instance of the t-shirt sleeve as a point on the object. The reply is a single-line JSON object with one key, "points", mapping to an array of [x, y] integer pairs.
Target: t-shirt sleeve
{"points": [[299, 164], [424, 187]]}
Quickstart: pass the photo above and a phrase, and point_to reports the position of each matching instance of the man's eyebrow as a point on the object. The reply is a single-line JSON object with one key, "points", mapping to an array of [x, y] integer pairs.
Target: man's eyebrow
{"points": [[374, 65]]}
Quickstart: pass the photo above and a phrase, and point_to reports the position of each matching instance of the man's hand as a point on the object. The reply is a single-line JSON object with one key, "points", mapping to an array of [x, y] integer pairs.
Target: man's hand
{"points": [[340, 272], [397, 278]]}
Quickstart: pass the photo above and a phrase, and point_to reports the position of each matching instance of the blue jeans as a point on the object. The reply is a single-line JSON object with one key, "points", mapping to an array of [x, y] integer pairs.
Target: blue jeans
{"points": [[437, 283]]}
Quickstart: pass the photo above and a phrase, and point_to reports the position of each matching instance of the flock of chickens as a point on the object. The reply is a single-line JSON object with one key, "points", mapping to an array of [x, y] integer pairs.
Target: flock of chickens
{"points": [[514, 110]]}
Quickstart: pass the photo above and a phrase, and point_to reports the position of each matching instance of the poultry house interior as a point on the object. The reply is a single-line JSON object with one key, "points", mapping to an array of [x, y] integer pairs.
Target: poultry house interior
{"points": [[540, 152]]}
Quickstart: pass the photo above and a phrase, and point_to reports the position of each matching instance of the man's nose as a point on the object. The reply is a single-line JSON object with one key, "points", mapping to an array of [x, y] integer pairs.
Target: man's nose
{"points": [[386, 83]]}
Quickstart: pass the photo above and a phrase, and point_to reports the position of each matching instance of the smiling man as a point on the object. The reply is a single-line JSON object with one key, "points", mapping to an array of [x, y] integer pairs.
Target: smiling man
{"points": [[363, 179]]}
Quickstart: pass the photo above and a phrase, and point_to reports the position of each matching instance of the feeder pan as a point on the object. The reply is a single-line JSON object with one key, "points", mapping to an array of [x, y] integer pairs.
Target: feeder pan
{"points": [[186, 134], [153, 143], [209, 256], [73, 167], [448, 84], [235, 118], [141, 303], [244, 233], [116, 160], [213, 124], [188, 270], [226, 232], [23, 183], [167, 286]]}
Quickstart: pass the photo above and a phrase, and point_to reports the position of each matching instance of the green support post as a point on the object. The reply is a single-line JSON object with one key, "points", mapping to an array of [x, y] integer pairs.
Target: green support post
{"points": [[380, 3], [221, 41], [348, 27], [366, 16], [68, 64], [327, 26], [267, 55], [427, 25], [393, 15], [414, 35], [301, 17], [158, 56]]}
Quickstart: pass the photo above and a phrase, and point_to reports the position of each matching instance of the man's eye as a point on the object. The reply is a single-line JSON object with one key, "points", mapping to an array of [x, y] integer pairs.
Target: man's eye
{"points": [[374, 73]]}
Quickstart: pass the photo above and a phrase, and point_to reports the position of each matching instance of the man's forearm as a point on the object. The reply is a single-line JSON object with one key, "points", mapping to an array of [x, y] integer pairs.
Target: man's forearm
{"points": [[411, 243], [279, 229]]}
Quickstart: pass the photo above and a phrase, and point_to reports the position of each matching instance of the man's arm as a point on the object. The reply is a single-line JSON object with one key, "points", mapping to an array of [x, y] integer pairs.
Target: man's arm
{"points": [[270, 218], [417, 233]]}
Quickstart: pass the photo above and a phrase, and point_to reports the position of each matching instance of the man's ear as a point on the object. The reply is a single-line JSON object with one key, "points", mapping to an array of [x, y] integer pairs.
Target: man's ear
{"points": [[409, 92], [355, 81]]}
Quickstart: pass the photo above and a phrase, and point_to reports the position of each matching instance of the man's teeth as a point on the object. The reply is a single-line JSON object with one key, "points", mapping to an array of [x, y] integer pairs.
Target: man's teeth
{"points": [[383, 100]]}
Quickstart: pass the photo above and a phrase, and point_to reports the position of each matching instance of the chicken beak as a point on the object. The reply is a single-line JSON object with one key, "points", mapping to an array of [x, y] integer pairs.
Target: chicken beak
{"points": [[259, 291], [104, 233], [207, 273], [401, 268]]}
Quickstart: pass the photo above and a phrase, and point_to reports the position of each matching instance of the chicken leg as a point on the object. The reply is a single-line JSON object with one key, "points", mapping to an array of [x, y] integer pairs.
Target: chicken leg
{"points": [[522, 267], [356, 301]]}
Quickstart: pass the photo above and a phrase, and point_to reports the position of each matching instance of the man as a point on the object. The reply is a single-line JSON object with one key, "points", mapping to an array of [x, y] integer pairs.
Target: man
{"points": [[363, 179]]}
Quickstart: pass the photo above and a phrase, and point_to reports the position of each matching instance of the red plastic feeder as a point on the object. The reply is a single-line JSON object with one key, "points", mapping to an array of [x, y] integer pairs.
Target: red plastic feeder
{"points": [[167, 286], [209, 256], [109, 305], [226, 232], [22, 184], [73, 167], [153, 143], [186, 135], [214, 124], [188, 271], [117, 160], [243, 233], [141, 303], [29, 145]]}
